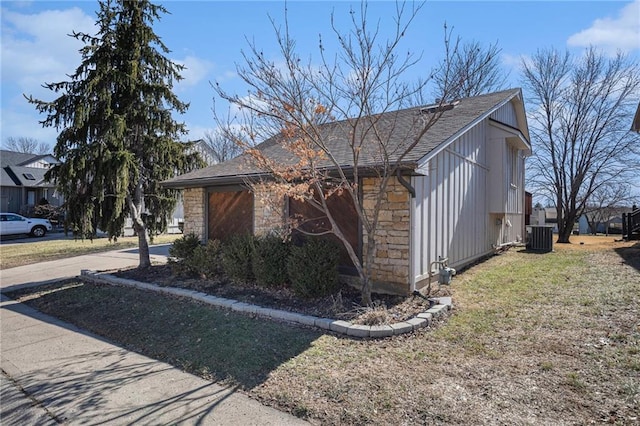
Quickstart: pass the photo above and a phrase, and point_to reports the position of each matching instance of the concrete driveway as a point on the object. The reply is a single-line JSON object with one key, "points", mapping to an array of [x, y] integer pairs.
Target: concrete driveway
{"points": [[54, 270], [53, 372]]}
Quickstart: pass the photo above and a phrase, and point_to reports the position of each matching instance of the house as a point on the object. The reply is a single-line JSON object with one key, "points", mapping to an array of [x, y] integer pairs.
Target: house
{"points": [[635, 125], [551, 218], [460, 194], [538, 216], [22, 182], [606, 220], [528, 207]]}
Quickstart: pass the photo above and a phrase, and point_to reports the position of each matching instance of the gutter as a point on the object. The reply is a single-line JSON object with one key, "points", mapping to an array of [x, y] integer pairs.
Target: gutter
{"points": [[406, 184]]}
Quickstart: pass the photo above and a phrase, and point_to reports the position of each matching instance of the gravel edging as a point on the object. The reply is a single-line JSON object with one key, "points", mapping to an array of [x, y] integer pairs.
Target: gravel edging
{"points": [[421, 320]]}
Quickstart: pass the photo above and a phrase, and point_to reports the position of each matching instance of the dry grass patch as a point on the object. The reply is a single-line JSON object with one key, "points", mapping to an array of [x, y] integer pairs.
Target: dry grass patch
{"points": [[533, 339]]}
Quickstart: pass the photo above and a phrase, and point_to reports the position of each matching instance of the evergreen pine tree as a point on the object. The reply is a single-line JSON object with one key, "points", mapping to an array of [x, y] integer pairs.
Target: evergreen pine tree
{"points": [[118, 139]]}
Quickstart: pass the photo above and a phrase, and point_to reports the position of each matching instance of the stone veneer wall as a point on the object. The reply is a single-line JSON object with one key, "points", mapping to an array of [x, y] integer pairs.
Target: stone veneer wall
{"points": [[268, 210], [391, 264], [194, 212]]}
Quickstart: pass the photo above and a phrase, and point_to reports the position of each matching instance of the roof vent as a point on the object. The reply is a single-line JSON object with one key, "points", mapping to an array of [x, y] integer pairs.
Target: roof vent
{"points": [[439, 107]]}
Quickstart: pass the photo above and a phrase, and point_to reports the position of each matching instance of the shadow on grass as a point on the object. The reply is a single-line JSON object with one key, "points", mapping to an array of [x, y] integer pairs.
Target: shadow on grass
{"points": [[216, 344], [631, 255]]}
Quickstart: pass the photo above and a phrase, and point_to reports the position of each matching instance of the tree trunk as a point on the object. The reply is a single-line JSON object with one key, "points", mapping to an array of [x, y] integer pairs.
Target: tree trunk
{"points": [[136, 208], [369, 258], [565, 228], [143, 243], [564, 235]]}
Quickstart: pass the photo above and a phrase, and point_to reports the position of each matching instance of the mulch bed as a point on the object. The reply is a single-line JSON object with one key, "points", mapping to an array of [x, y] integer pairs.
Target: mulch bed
{"points": [[345, 304]]}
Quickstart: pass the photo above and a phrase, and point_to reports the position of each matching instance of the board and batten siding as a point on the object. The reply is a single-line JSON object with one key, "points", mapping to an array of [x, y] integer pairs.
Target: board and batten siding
{"points": [[449, 212], [506, 179], [470, 197], [506, 114]]}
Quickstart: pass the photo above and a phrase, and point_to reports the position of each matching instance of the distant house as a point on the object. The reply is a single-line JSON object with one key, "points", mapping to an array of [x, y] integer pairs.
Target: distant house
{"points": [[22, 181], [528, 207], [608, 221], [635, 125], [551, 218], [460, 194], [538, 216]]}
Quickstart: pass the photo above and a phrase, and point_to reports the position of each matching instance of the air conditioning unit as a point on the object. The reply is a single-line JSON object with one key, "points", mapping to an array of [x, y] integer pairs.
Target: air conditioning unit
{"points": [[540, 238]]}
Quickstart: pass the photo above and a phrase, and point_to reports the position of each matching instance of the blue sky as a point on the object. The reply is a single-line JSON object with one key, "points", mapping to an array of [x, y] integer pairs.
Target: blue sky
{"points": [[208, 37]]}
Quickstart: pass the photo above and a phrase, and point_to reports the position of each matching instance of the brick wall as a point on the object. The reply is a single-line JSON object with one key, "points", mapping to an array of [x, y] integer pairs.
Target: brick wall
{"points": [[391, 264], [194, 212], [268, 210]]}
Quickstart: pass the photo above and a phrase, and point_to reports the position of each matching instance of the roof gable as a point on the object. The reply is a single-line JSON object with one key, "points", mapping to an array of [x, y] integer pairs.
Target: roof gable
{"points": [[24, 169]]}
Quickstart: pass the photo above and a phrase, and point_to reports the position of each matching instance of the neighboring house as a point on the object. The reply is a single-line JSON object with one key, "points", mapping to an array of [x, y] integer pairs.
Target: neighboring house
{"points": [[528, 207], [609, 222], [538, 216], [22, 182], [635, 125], [551, 218], [460, 195]]}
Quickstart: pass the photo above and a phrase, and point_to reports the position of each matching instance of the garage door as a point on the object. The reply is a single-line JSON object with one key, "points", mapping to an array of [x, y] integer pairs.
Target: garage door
{"points": [[230, 213]]}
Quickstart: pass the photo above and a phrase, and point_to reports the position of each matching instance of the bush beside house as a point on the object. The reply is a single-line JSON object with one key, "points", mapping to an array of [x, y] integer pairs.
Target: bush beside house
{"points": [[309, 269]]}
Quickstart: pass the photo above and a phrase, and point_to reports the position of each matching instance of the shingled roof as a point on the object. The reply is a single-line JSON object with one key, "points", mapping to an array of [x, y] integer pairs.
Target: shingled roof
{"points": [[399, 125], [15, 170]]}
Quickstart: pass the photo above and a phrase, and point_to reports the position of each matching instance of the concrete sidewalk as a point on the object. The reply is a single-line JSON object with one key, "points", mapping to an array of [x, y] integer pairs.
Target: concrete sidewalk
{"points": [[53, 270], [53, 372]]}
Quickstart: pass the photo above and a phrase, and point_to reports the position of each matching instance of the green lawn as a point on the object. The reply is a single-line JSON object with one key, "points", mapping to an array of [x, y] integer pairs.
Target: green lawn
{"points": [[533, 339], [39, 251]]}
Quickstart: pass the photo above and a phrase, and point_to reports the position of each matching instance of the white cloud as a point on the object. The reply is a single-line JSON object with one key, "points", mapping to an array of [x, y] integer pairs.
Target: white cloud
{"points": [[36, 48], [612, 34], [196, 70], [514, 62]]}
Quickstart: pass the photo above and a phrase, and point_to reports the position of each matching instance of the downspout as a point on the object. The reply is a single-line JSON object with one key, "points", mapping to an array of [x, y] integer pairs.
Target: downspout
{"points": [[406, 184]]}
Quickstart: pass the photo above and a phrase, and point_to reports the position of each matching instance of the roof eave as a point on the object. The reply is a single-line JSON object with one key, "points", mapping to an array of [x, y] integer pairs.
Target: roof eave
{"points": [[523, 144], [364, 171], [211, 181]]}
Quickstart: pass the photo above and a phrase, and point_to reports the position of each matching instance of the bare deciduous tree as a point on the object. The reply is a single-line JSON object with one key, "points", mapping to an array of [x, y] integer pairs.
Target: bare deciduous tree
{"points": [[221, 147], [469, 68], [580, 110], [27, 145], [604, 203], [358, 90]]}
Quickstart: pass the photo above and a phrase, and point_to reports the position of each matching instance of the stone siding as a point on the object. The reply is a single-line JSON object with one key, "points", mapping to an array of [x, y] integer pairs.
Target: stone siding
{"points": [[268, 210], [194, 212], [391, 263]]}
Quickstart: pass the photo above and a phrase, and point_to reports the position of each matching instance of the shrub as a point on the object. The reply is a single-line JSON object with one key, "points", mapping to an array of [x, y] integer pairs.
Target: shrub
{"points": [[188, 256], [237, 253], [184, 247], [313, 267], [205, 260], [270, 260]]}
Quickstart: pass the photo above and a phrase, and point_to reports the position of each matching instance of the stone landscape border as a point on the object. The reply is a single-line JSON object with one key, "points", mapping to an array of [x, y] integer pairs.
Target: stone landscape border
{"points": [[421, 320]]}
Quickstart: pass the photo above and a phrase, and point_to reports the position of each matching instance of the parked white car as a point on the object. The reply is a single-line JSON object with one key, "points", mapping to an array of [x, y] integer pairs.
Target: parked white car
{"points": [[14, 224]]}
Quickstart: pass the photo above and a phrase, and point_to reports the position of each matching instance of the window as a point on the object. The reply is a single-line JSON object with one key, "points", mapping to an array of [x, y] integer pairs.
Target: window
{"points": [[29, 176]]}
